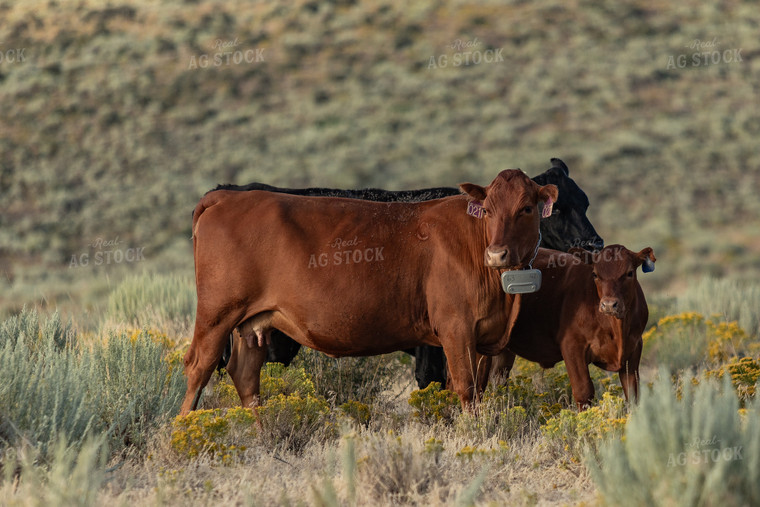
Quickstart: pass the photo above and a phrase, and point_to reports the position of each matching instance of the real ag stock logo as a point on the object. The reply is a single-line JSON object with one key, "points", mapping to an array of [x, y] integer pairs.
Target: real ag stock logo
{"points": [[107, 251], [466, 53], [703, 451], [11, 55], [705, 53], [345, 252], [225, 53]]}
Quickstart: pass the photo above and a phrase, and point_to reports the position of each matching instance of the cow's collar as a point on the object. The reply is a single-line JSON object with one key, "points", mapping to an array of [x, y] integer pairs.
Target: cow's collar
{"points": [[523, 281], [535, 252]]}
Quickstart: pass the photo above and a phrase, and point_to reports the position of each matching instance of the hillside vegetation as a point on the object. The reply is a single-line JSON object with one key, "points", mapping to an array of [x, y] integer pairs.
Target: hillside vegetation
{"points": [[102, 427], [112, 128]]}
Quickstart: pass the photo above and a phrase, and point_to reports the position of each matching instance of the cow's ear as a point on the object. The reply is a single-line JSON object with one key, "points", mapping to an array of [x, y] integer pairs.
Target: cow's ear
{"points": [[646, 260], [560, 165], [548, 195], [473, 191], [584, 255]]}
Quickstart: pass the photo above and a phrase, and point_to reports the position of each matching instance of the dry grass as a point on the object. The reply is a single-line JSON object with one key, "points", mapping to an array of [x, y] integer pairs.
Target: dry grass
{"points": [[392, 468]]}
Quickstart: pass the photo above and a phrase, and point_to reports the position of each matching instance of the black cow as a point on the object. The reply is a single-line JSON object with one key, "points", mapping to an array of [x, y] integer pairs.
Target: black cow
{"points": [[567, 227]]}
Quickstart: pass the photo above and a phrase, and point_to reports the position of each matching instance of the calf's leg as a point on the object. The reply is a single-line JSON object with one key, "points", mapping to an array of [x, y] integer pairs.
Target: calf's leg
{"points": [[629, 375], [577, 371]]}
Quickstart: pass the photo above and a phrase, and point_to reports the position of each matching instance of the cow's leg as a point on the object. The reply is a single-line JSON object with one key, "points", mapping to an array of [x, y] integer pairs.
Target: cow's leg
{"points": [[483, 371], [577, 370], [282, 349], [203, 356], [429, 366], [501, 366], [462, 364], [244, 368], [629, 374]]}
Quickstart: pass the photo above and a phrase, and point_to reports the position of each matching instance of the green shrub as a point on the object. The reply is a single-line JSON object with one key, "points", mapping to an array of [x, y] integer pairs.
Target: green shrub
{"points": [[542, 392], [572, 431], [68, 476], [494, 420], [353, 378], [434, 404], [292, 421], [277, 379], [395, 471], [690, 340], [61, 387], [495, 416], [358, 411], [46, 391], [135, 387], [220, 433], [690, 451], [744, 374], [732, 300], [154, 300], [677, 341]]}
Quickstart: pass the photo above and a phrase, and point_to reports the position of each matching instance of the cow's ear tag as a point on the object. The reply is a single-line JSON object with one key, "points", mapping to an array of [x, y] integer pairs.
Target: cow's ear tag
{"points": [[475, 209], [647, 266], [547, 211]]}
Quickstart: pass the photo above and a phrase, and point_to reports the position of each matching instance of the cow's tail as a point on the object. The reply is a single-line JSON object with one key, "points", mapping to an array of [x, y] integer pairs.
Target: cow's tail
{"points": [[206, 202]]}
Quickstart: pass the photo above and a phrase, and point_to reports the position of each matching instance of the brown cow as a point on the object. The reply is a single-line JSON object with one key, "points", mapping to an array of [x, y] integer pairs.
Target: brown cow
{"points": [[357, 278], [590, 309]]}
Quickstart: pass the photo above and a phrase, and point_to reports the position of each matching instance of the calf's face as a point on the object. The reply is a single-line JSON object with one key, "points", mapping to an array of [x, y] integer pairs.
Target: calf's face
{"points": [[615, 277], [512, 214]]}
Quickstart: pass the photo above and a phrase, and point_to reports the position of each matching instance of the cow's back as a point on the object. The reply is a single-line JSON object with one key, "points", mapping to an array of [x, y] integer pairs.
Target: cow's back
{"points": [[290, 255]]}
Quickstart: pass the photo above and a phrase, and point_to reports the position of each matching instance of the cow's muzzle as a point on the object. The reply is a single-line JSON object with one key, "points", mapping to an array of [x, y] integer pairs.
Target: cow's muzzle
{"points": [[500, 258], [612, 306]]}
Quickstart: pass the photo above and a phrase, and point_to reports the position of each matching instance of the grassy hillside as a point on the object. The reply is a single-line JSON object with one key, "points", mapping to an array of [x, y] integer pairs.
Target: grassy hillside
{"points": [[112, 128]]}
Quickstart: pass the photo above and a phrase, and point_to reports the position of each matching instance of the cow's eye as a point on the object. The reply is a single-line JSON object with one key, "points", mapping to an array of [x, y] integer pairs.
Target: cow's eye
{"points": [[594, 275], [630, 274], [528, 210]]}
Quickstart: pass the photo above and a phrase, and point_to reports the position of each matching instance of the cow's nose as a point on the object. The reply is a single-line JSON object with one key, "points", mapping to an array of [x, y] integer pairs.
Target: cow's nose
{"points": [[610, 306], [597, 244], [496, 258]]}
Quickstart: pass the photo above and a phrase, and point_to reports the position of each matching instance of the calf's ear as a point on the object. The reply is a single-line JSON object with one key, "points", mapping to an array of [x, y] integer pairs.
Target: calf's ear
{"points": [[584, 255], [473, 191], [647, 259]]}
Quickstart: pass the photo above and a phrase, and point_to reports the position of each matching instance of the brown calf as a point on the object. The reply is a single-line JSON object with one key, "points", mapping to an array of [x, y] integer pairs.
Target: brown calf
{"points": [[357, 278], [590, 309]]}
